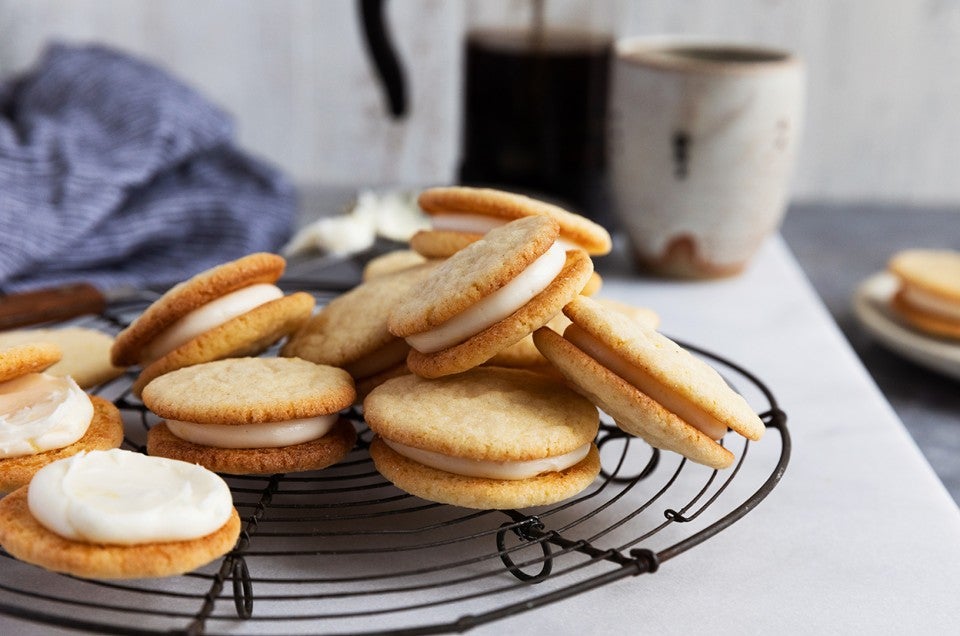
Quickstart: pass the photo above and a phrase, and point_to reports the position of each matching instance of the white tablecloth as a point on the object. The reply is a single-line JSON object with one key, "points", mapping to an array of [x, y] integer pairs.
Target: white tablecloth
{"points": [[859, 536]]}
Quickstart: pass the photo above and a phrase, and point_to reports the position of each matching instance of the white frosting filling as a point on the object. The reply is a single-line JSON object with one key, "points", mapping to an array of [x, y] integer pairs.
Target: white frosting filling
{"points": [[495, 307], [685, 409], [477, 224], [925, 301], [260, 435], [213, 314], [489, 469], [123, 498], [41, 412]]}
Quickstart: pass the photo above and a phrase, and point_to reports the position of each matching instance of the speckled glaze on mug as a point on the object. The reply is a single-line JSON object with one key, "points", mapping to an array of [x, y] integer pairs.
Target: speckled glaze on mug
{"points": [[703, 137]]}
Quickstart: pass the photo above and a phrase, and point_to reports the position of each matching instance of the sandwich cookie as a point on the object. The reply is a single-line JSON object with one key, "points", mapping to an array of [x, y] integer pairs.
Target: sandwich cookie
{"points": [[461, 215], [648, 384], [928, 297], [351, 331], [44, 418], [252, 416], [118, 514], [86, 352], [490, 438], [232, 310], [488, 296], [525, 354]]}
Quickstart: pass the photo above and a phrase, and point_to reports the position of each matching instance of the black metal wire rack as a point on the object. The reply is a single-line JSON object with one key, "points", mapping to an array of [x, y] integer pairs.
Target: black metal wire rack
{"points": [[343, 551]]}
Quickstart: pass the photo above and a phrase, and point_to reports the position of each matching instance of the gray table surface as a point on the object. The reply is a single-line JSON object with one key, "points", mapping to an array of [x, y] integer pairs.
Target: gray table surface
{"points": [[839, 246]]}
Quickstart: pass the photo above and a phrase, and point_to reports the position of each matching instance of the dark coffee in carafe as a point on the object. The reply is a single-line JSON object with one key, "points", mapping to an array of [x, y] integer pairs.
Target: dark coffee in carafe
{"points": [[534, 114]]}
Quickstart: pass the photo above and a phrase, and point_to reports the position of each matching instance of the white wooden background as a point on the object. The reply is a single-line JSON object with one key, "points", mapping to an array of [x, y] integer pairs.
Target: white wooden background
{"points": [[883, 111]]}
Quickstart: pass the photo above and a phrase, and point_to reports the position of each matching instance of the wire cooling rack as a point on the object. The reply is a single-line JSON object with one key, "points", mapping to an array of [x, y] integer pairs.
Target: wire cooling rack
{"points": [[343, 551]]}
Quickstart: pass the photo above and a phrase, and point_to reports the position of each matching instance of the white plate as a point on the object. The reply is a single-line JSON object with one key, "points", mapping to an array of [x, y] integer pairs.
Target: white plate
{"points": [[871, 306]]}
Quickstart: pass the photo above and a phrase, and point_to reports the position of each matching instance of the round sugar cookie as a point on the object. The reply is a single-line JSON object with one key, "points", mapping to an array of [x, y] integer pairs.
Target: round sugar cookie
{"points": [[313, 455], [105, 432], [353, 327], [191, 294], [485, 414], [525, 353], [248, 391], [936, 275], [248, 334], [391, 262], [574, 228], [26, 539], [935, 271], [659, 357], [474, 273], [86, 352], [30, 357]]}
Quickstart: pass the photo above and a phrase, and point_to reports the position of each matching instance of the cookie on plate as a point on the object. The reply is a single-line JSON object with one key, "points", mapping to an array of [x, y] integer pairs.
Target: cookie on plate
{"points": [[490, 438], [232, 310], [460, 215], [351, 332], [488, 296], [86, 352], [120, 515], [252, 416], [648, 384], [928, 296], [44, 417]]}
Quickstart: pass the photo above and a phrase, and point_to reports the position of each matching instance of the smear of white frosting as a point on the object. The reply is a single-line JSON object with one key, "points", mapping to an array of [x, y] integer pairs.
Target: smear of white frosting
{"points": [[260, 435], [121, 497], [495, 307], [491, 469], [213, 314], [41, 412]]}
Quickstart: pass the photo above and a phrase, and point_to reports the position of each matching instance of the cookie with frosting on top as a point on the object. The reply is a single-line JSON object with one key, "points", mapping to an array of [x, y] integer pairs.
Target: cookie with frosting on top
{"points": [[231, 310], [253, 416], [928, 296], [119, 515], [488, 296], [44, 417], [489, 438], [648, 384]]}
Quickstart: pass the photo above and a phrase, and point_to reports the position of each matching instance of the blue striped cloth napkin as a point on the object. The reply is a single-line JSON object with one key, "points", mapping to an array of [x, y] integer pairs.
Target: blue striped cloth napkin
{"points": [[115, 173]]}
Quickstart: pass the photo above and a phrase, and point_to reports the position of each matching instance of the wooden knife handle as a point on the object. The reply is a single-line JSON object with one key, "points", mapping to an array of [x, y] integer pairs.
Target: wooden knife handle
{"points": [[53, 304]]}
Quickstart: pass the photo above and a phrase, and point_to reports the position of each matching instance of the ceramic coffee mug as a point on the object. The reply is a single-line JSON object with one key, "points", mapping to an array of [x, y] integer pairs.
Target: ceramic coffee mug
{"points": [[702, 140]]}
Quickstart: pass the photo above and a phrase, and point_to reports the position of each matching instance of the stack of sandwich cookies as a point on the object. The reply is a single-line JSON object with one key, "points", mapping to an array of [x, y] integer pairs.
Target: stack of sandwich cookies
{"points": [[928, 297], [652, 387], [490, 438], [488, 296], [351, 332], [231, 310], [256, 416], [461, 215], [86, 352], [44, 418], [119, 515]]}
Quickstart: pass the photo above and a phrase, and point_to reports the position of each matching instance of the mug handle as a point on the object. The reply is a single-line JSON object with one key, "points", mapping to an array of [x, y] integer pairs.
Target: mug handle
{"points": [[383, 55]]}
